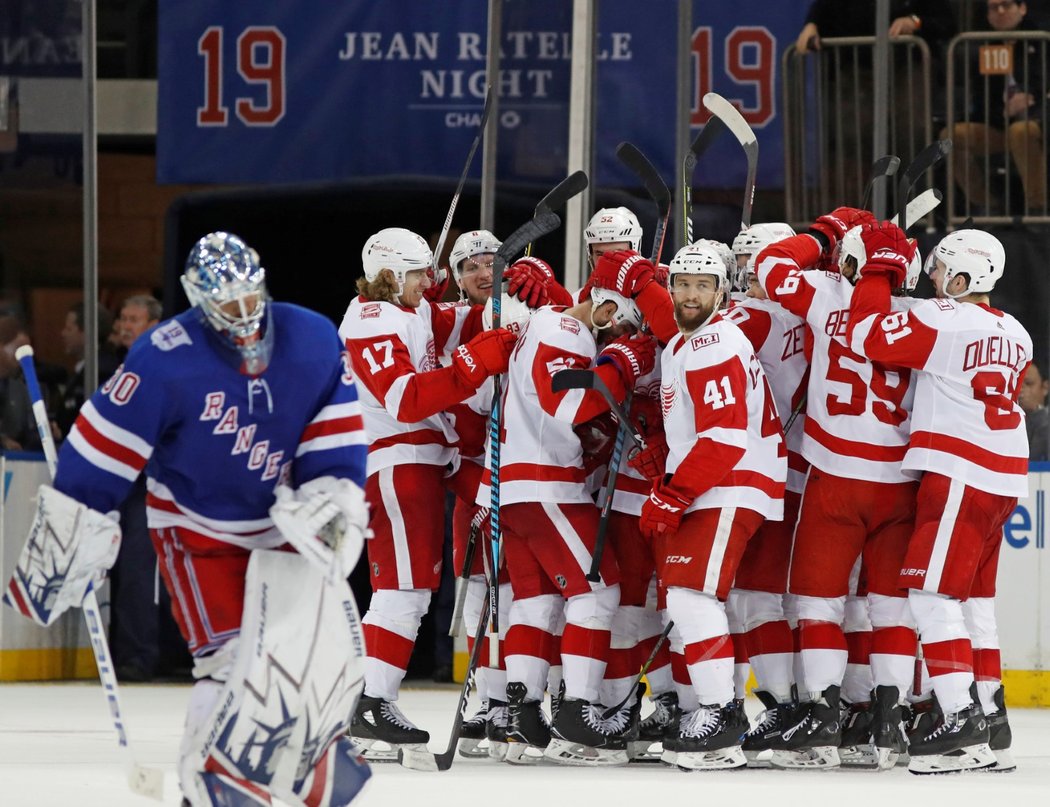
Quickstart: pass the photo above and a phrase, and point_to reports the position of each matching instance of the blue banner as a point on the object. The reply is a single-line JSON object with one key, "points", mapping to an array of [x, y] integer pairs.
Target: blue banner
{"points": [[303, 90]]}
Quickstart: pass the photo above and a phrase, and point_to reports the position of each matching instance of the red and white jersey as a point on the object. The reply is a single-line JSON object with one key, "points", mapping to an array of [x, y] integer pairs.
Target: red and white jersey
{"points": [[778, 338], [632, 489], [857, 411], [966, 423], [541, 459], [717, 401], [457, 323], [388, 344]]}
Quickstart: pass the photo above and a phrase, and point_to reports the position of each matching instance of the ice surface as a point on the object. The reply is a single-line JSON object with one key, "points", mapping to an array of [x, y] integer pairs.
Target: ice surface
{"points": [[57, 749]]}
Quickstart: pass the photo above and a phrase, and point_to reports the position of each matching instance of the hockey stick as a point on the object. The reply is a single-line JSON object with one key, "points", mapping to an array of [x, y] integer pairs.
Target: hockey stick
{"points": [[641, 674], [745, 136], [922, 205], [573, 184], [923, 162], [148, 782], [884, 167], [462, 179], [633, 158], [588, 379], [542, 223], [702, 143], [463, 580]]}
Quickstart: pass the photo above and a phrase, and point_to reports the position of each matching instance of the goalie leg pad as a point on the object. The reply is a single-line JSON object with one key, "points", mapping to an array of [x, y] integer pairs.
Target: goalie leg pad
{"points": [[335, 781], [69, 547], [295, 679]]}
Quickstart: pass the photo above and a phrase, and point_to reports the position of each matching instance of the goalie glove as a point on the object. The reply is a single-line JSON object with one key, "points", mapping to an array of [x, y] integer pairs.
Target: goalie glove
{"points": [[325, 521], [70, 547]]}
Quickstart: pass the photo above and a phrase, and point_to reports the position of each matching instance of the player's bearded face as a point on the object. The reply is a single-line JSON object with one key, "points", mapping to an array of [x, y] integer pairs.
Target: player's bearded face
{"points": [[695, 298], [416, 282]]}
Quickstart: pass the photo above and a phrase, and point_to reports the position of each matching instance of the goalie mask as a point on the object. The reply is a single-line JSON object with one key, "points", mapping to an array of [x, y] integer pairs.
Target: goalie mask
{"points": [[225, 283], [470, 245], [397, 249], [974, 253]]}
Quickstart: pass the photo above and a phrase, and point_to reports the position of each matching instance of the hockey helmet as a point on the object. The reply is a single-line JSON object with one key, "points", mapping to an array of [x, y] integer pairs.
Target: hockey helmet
{"points": [[975, 253], [627, 312], [612, 224], [700, 260], [397, 249], [513, 314], [470, 244], [751, 241]]}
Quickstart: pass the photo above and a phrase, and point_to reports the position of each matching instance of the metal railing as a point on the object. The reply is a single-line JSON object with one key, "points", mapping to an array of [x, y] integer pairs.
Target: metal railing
{"points": [[982, 187], [830, 93]]}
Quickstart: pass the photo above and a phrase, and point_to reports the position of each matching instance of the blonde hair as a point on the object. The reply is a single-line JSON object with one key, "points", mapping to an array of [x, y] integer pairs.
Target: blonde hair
{"points": [[381, 290]]}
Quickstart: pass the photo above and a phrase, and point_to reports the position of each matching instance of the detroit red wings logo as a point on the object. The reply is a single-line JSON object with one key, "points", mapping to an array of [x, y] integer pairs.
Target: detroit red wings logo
{"points": [[668, 398]]}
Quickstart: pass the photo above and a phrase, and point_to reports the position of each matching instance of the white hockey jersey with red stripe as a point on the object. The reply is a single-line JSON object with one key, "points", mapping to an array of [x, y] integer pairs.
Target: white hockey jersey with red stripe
{"points": [[388, 345], [857, 411], [966, 423], [716, 398], [541, 459], [779, 340]]}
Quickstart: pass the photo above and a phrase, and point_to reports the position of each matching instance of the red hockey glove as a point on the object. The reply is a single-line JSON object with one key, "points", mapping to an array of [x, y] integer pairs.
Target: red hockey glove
{"points": [[438, 284], [529, 280], [633, 356], [662, 512], [835, 224], [651, 461], [662, 274], [888, 251], [486, 354], [646, 416], [597, 437], [624, 271]]}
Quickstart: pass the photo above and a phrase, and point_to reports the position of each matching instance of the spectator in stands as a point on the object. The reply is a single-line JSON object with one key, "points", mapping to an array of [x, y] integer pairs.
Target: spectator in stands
{"points": [[138, 314], [73, 343], [17, 428], [1032, 399], [1004, 113], [930, 19]]}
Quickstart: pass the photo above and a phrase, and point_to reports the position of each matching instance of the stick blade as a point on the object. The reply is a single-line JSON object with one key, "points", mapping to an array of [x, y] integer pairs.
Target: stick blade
{"points": [[573, 184], [147, 782], [631, 156], [731, 118], [707, 136], [572, 379], [416, 760], [542, 224]]}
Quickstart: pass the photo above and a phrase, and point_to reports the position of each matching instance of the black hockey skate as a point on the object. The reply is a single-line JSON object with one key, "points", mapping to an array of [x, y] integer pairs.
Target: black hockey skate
{"points": [[766, 737], [856, 749], [472, 734], [380, 729], [580, 736], [813, 739], [957, 742], [496, 727], [887, 726], [710, 738], [655, 728], [527, 733], [1000, 737]]}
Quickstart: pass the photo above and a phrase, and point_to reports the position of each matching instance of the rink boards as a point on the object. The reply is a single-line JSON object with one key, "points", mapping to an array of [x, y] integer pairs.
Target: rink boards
{"points": [[28, 652]]}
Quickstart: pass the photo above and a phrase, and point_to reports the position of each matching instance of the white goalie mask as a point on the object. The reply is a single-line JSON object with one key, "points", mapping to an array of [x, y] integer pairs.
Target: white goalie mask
{"points": [[974, 253], [469, 245], [397, 249], [751, 241], [611, 225], [513, 314], [224, 281]]}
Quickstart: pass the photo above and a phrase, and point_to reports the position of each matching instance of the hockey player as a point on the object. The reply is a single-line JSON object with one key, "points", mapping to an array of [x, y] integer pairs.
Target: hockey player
{"points": [[755, 604], [549, 523], [857, 499], [969, 442], [529, 279], [725, 474], [748, 243], [393, 337], [225, 406]]}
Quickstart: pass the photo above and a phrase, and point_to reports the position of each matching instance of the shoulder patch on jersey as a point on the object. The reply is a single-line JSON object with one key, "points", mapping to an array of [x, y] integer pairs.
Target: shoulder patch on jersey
{"points": [[570, 324], [703, 340], [944, 304], [371, 310], [169, 336]]}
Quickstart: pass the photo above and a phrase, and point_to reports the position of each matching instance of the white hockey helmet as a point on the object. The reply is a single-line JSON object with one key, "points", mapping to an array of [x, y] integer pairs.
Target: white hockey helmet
{"points": [[975, 253], [225, 282], [751, 241], [627, 312], [911, 278], [397, 249], [612, 224], [513, 314], [470, 244], [852, 246], [723, 250], [699, 260]]}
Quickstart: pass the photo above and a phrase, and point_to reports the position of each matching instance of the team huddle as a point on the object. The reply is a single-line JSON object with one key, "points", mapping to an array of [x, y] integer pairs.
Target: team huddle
{"points": [[824, 470]]}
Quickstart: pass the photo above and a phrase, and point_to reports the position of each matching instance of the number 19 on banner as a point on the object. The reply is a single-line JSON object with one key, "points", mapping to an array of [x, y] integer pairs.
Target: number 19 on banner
{"points": [[260, 60]]}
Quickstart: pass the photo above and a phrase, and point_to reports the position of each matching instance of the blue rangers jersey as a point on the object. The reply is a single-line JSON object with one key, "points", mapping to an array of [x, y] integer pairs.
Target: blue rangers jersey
{"points": [[214, 442]]}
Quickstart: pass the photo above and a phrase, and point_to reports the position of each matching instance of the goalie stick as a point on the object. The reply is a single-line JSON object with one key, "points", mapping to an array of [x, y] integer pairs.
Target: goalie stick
{"points": [[573, 184], [145, 781], [923, 162], [702, 143], [745, 136], [883, 168], [462, 180], [630, 155]]}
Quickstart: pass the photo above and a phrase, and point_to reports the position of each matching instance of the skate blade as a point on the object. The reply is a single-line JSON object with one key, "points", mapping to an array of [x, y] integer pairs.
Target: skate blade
{"points": [[1004, 762], [668, 757], [569, 753], [644, 751], [970, 758], [722, 759], [759, 759], [473, 749], [886, 758], [858, 756], [497, 750], [375, 750], [823, 757], [522, 754]]}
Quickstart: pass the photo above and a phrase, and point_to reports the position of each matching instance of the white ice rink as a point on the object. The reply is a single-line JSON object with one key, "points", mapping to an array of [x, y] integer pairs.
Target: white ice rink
{"points": [[57, 749]]}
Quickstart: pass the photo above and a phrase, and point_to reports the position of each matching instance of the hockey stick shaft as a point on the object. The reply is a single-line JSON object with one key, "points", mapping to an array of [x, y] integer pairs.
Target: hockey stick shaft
{"points": [[622, 430], [745, 136], [462, 179], [923, 162], [145, 781], [883, 168], [462, 581], [641, 674], [702, 143], [575, 183], [631, 156], [588, 379]]}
